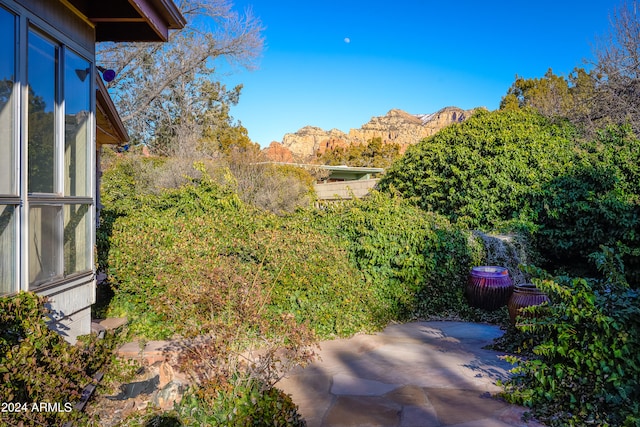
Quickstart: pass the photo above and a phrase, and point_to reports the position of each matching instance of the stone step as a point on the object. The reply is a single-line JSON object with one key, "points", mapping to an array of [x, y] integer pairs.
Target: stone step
{"points": [[149, 352], [161, 380], [101, 326], [112, 323]]}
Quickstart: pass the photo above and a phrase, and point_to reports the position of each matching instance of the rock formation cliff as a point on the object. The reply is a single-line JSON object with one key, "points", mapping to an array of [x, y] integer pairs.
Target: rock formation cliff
{"points": [[396, 126]]}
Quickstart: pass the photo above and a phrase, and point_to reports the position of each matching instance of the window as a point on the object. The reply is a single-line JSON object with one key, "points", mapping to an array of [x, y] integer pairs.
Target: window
{"points": [[77, 81], [77, 244], [59, 183], [7, 103], [45, 240], [47, 237], [9, 198], [46, 154]]}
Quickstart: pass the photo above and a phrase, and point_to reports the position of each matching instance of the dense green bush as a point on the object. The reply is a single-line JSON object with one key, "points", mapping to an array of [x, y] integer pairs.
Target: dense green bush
{"points": [[170, 258], [484, 171], [38, 365], [516, 170], [596, 201], [348, 268], [415, 263], [585, 368]]}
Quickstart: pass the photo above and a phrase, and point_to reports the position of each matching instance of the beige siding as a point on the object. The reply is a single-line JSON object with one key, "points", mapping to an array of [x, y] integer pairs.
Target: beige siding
{"points": [[344, 189]]}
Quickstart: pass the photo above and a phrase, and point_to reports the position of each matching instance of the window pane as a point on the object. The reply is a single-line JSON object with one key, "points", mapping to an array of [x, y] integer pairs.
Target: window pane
{"points": [[77, 241], [7, 250], [7, 117], [42, 96], [77, 87], [45, 244]]}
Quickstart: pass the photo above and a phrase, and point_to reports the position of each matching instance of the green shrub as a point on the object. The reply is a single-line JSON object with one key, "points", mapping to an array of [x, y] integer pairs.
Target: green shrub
{"points": [[352, 267], [585, 369], [516, 170], [486, 170], [170, 256], [38, 366], [594, 202], [414, 263]]}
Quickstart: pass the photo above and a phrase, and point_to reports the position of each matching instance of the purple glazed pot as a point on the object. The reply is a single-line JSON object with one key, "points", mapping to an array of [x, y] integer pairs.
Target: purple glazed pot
{"points": [[489, 287]]}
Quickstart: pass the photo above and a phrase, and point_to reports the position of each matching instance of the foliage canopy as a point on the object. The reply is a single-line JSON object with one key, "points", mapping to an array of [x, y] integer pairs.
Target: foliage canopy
{"points": [[484, 171], [343, 269]]}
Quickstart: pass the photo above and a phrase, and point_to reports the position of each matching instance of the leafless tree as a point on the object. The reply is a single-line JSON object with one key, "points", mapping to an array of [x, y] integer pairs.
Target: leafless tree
{"points": [[163, 90], [617, 65]]}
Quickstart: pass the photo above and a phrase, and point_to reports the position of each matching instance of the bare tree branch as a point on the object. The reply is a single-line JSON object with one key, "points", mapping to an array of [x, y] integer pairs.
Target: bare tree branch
{"points": [[162, 86], [618, 66]]}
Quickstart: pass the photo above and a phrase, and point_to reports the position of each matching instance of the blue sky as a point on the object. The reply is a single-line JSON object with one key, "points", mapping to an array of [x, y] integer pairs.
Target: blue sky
{"points": [[335, 64]]}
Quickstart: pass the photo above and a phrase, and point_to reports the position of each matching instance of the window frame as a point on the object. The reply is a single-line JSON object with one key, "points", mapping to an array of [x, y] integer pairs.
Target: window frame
{"points": [[14, 199]]}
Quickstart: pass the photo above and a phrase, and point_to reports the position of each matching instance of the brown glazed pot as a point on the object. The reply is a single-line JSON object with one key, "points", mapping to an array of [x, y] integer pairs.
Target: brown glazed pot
{"points": [[489, 287], [525, 295]]}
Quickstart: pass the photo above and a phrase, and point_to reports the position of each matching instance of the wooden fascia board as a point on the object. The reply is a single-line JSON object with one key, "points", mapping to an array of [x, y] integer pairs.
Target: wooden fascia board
{"points": [[149, 13], [176, 19], [159, 15]]}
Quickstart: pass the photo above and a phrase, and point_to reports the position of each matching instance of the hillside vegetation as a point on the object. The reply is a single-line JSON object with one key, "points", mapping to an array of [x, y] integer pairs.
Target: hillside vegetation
{"points": [[348, 268]]}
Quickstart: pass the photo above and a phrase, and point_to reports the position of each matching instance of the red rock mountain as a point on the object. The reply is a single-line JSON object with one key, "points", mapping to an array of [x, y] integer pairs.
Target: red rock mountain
{"points": [[396, 126]]}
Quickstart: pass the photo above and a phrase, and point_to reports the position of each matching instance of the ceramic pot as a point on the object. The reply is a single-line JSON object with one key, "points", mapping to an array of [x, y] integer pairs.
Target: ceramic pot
{"points": [[489, 287], [525, 295]]}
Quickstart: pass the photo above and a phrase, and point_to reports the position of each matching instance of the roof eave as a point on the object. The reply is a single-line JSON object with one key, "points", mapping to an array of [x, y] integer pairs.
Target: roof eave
{"points": [[105, 105], [130, 20]]}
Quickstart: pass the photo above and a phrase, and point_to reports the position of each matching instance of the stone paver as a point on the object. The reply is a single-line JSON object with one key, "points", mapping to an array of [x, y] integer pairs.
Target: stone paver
{"points": [[460, 406], [419, 416], [349, 385], [409, 395], [370, 411], [420, 374], [112, 323]]}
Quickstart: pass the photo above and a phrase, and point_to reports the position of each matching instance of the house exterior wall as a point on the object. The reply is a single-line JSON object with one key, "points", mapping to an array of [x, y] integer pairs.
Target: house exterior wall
{"points": [[47, 153], [344, 190]]}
